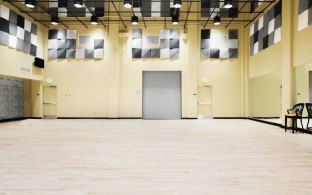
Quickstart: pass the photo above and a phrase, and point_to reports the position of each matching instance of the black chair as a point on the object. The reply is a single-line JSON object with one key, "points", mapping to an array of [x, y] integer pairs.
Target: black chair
{"points": [[297, 109], [309, 109]]}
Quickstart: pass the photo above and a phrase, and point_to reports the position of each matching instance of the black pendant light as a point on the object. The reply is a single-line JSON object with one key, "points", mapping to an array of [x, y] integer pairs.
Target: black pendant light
{"points": [[217, 20], [94, 20], [54, 20], [78, 3], [175, 20], [30, 3], [134, 20], [177, 3], [228, 4], [127, 4]]}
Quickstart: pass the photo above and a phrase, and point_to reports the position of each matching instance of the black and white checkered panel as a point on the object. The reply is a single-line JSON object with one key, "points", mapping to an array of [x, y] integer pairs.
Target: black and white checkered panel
{"points": [[169, 46], [17, 32], [62, 45], [305, 14], [154, 8], [217, 45], [212, 8], [136, 43], [254, 4], [169, 43], [266, 31], [66, 8]]}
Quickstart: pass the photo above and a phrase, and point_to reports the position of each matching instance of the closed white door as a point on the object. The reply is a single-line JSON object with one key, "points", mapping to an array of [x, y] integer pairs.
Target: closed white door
{"points": [[162, 95]]}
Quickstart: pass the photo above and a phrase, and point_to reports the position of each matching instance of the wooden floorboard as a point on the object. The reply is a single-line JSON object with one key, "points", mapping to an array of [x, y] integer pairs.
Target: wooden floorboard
{"points": [[142, 157]]}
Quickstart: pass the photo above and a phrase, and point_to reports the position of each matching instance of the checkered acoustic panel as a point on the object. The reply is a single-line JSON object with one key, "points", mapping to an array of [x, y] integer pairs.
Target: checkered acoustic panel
{"points": [[17, 32], [305, 14], [217, 45], [266, 31], [169, 45], [212, 8], [154, 8], [66, 8], [62, 44]]}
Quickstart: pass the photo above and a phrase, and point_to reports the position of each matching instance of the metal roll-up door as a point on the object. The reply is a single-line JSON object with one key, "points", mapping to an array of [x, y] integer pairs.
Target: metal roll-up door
{"points": [[162, 95]]}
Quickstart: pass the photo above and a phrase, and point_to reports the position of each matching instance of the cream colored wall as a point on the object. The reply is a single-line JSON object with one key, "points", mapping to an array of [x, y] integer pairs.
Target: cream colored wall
{"points": [[87, 87], [266, 95], [112, 87], [265, 62], [225, 76], [130, 104], [14, 59], [11, 60], [302, 42], [302, 83]]}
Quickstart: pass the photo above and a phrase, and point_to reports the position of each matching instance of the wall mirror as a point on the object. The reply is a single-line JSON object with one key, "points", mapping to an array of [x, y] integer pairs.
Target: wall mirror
{"points": [[265, 97]]}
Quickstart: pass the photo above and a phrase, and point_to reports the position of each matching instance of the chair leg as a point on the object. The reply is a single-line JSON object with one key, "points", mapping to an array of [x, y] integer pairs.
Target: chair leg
{"points": [[308, 123], [285, 123], [301, 123], [293, 125]]}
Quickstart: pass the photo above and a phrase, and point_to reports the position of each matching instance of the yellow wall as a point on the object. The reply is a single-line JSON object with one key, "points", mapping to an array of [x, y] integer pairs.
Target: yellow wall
{"points": [[266, 95], [112, 87], [265, 62], [225, 76], [11, 60], [302, 41]]}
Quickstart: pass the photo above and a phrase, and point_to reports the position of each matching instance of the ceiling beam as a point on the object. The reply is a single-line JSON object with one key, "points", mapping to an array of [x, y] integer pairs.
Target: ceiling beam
{"points": [[118, 13], [187, 15], [21, 11]]}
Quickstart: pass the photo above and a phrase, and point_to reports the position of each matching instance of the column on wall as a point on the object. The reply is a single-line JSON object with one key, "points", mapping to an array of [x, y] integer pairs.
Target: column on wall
{"points": [[287, 58]]}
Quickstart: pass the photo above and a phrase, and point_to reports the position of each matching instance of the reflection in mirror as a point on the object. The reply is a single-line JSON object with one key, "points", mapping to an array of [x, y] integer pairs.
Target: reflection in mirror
{"points": [[265, 96], [303, 88]]}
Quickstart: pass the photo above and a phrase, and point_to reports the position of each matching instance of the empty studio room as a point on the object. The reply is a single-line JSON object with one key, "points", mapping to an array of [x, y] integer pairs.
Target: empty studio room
{"points": [[155, 97]]}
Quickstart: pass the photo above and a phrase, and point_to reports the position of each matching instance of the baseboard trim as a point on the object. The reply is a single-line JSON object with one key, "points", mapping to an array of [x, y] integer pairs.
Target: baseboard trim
{"points": [[266, 122], [11, 120], [189, 118], [109, 118], [81, 118], [229, 118], [32, 117]]}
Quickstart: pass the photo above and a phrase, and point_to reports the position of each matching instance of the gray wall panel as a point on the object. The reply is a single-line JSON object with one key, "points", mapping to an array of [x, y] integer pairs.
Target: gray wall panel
{"points": [[11, 98], [162, 95]]}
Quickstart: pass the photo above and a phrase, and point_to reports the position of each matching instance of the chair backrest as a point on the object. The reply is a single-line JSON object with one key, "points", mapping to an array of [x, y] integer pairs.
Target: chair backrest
{"points": [[298, 108], [309, 108]]}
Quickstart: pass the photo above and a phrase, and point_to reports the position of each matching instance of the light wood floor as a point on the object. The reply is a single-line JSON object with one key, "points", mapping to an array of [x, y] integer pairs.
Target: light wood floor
{"points": [[138, 157]]}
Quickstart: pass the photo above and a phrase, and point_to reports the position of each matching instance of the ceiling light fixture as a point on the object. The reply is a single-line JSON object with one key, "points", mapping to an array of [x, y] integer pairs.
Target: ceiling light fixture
{"points": [[177, 3], [217, 20], [134, 20], [94, 20], [228, 4], [78, 3], [30, 3], [127, 4], [175, 20], [54, 20]]}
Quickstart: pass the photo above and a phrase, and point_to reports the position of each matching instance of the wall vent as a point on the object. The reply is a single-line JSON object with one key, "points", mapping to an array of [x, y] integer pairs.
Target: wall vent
{"points": [[26, 69]]}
